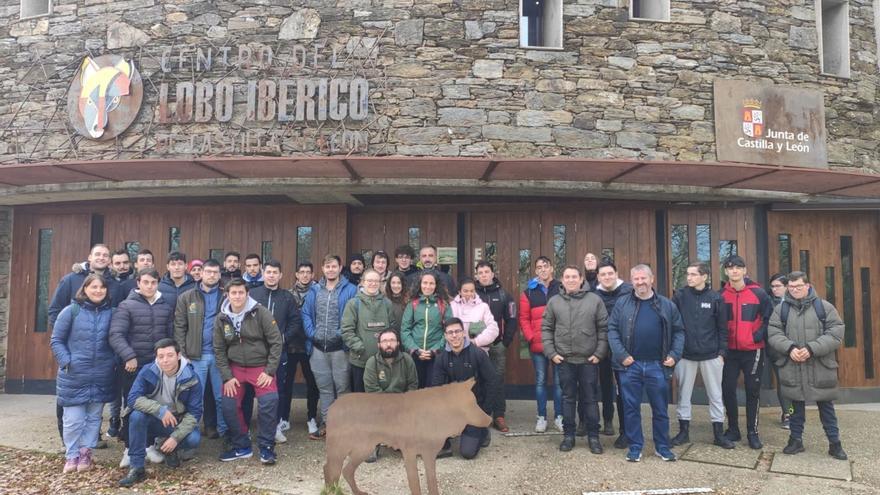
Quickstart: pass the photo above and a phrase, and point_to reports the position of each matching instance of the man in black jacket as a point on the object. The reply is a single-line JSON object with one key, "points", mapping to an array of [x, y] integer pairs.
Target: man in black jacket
{"points": [[458, 362], [403, 256], [705, 344], [504, 312], [428, 259], [297, 355], [284, 308], [610, 288], [140, 321]]}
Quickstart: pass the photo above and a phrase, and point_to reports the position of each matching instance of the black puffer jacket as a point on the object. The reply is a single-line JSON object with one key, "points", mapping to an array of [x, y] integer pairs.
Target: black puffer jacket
{"points": [[503, 310], [137, 325]]}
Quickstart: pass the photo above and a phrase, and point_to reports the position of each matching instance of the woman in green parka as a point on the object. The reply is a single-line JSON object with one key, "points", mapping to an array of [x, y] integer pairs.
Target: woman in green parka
{"points": [[422, 324]]}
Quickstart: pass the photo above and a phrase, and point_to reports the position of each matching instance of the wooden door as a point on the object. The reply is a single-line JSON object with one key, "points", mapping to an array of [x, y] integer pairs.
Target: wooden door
{"points": [[838, 251], [44, 248]]}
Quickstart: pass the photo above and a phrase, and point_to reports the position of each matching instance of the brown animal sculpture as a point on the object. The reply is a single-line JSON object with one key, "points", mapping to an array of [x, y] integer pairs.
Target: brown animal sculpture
{"points": [[417, 423]]}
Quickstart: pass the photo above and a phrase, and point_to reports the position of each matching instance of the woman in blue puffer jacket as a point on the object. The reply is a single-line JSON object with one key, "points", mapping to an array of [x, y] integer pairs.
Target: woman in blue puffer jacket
{"points": [[86, 366]]}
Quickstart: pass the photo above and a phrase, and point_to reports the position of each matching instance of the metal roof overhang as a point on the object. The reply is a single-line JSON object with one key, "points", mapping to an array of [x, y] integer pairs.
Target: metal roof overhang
{"points": [[324, 179]]}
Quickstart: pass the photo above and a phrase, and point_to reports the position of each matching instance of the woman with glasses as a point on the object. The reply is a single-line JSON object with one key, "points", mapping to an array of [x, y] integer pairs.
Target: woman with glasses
{"points": [[365, 315]]}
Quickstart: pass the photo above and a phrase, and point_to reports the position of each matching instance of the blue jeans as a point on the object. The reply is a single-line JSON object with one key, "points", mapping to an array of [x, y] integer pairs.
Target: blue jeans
{"points": [[82, 425], [647, 376], [541, 363], [203, 367], [143, 426]]}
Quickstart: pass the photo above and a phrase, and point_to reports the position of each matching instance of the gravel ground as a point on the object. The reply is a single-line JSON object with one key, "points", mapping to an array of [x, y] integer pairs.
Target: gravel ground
{"points": [[511, 465]]}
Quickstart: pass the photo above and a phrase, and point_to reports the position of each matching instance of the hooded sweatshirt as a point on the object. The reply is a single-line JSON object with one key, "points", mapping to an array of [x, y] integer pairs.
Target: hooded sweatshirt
{"points": [[236, 318], [168, 384], [479, 323], [249, 338]]}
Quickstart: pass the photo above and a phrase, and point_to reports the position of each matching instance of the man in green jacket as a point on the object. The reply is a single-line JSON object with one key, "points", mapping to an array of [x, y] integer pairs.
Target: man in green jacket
{"points": [[574, 332], [805, 331], [389, 371], [247, 345], [363, 317]]}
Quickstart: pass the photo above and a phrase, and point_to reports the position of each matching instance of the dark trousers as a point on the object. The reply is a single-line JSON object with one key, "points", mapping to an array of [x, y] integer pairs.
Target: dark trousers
{"points": [[606, 386], [209, 406], [639, 377], [425, 369], [580, 387], [285, 386], [751, 364], [126, 381], [144, 428], [784, 404], [356, 378], [826, 416], [470, 441], [620, 419]]}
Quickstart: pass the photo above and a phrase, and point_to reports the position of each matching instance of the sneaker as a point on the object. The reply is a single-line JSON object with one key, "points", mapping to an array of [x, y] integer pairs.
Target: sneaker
{"points": [[501, 425], [154, 455], [665, 454], [785, 424], [795, 445], [85, 460], [284, 425], [70, 465], [755, 441], [313, 426], [541, 424], [558, 423], [267, 456], [279, 436], [135, 475], [835, 450], [634, 455], [236, 454], [319, 433], [126, 461]]}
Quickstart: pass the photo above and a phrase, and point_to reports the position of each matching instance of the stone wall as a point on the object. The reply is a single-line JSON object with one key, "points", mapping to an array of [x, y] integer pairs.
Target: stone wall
{"points": [[5, 260], [449, 78]]}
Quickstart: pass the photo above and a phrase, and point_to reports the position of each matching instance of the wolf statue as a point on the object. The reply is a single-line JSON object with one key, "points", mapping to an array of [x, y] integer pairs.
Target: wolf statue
{"points": [[417, 423], [102, 90]]}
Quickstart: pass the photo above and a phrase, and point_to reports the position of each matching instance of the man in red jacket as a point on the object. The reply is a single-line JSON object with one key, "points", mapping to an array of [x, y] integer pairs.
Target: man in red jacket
{"points": [[748, 312], [531, 310]]}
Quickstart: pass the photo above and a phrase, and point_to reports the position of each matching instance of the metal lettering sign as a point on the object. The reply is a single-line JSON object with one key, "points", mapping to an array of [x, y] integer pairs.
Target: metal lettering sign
{"points": [[772, 125]]}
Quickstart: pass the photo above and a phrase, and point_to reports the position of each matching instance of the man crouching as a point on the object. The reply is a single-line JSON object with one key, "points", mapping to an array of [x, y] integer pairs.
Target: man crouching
{"points": [[165, 402]]}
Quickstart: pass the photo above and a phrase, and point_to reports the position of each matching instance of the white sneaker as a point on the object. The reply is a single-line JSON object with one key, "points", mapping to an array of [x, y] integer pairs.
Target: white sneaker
{"points": [[541, 425], [284, 425], [313, 426], [279, 436], [154, 455], [558, 423], [126, 461]]}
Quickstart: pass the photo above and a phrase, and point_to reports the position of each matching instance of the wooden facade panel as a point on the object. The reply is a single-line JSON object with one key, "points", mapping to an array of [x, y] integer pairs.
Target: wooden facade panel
{"points": [[819, 233]]}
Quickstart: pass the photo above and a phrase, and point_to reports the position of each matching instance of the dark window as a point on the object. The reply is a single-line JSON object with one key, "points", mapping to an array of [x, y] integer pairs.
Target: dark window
{"points": [[216, 254], [524, 273], [303, 244], [491, 253], [867, 326], [44, 261], [784, 243], [540, 23], [559, 248], [804, 262], [415, 241], [266, 251], [133, 247], [97, 230], [704, 247], [678, 251], [607, 253], [657, 10], [830, 290], [173, 239], [726, 249], [849, 296]]}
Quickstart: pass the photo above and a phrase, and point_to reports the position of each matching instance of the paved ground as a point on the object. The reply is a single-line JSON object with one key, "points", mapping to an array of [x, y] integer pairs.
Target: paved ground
{"points": [[523, 464]]}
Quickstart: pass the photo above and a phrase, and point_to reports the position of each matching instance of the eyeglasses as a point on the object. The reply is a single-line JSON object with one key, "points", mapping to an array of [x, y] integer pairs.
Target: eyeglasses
{"points": [[452, 333], [372, 281], [797, 287]]}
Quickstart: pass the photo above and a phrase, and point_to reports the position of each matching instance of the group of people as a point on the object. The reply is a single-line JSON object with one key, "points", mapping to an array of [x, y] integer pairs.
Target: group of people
{"points": [[204, 341]]}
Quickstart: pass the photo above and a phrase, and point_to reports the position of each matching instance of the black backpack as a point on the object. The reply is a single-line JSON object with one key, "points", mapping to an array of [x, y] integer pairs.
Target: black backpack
{"points": [[786, 308]]}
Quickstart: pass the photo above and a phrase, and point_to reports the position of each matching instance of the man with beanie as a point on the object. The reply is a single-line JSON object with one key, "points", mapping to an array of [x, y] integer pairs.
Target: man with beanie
{"points": [[354, 269], [705, 344], [248, 347]]}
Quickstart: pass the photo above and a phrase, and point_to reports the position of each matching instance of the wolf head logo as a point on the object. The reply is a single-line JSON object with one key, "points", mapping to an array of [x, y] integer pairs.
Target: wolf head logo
{"points": [[105, 96]]}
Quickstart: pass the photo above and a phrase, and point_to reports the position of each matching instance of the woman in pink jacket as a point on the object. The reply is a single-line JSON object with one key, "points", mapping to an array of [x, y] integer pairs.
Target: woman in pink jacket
{"points": [[479, 324]]}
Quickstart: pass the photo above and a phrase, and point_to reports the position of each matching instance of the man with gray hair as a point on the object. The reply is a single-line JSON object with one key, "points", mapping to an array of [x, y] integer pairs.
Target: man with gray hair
{"points": [[646, 336]]}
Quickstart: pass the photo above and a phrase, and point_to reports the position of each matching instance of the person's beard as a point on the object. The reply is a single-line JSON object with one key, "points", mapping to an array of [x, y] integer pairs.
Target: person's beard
{"points": [[390, 354]]}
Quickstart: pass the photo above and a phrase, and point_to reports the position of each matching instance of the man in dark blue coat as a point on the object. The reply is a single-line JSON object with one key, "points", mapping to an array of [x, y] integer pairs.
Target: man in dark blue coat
{"points": [[176, 280]]}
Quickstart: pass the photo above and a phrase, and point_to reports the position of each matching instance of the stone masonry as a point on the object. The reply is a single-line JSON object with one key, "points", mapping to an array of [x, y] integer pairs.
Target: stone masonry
{"points": [[449, 77]]}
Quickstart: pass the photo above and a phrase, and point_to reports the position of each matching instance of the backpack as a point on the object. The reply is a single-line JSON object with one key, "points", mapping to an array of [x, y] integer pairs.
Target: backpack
{"points": [[74, 310], [786, 308]]}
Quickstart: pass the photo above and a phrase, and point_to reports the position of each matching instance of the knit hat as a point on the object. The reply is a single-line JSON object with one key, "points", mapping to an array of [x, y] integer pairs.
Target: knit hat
{"points": [[195, 262], [355, 257]]}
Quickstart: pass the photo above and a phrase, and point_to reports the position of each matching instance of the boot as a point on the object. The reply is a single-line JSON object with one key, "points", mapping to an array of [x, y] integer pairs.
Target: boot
{"points": [[595, 445], [720, 439], [683, 437], [609, 428], [755, 441], [581, 429], [835, 450], [621, 442], [567, 444], [135, 475], [794, 446], [733, 433]]}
